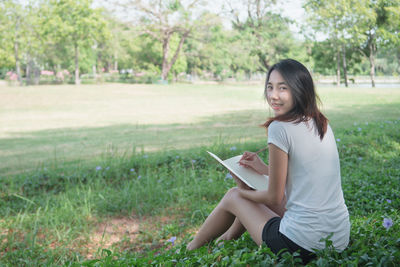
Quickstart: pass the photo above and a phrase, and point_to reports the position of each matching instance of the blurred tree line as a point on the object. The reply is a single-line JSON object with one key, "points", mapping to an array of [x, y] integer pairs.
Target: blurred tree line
{"points": [[159, 40]]}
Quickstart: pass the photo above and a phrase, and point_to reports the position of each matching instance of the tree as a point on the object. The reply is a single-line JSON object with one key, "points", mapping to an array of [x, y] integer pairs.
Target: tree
{"points": [[162, 20], [364, 24], [15, 27], [7, 60], [110, 50], [265, 34], [333, 18], [73, 24], [377, 25], [323, 52], [211, 52]]}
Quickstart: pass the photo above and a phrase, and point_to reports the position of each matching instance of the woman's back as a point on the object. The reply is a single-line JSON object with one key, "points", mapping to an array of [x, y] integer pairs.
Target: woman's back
{"points": [[315, 203]]}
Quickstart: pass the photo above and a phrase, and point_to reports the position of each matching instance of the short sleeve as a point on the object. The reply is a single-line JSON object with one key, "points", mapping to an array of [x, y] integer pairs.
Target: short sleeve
{"points": [[277, 135]]}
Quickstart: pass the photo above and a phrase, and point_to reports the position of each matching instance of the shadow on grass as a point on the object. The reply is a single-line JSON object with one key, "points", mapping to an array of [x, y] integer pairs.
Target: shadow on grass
{"points": [[74, 145]]}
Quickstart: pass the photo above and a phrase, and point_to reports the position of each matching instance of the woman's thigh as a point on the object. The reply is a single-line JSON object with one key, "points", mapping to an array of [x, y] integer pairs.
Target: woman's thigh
{"points": [[252, 215]]}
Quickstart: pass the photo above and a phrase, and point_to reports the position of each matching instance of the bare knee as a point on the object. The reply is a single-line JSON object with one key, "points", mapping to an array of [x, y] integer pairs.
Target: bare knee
{"points": [[231, 196]]}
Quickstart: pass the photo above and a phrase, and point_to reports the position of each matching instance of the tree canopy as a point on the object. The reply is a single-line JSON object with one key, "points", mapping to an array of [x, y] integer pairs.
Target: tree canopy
{"points": [[168, 39]]}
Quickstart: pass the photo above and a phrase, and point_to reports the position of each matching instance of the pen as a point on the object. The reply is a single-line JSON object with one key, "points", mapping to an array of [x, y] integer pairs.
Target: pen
{"points": [[260, 150]]}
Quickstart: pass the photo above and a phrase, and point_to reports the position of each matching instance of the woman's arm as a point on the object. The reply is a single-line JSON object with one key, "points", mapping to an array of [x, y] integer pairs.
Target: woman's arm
{"points": [[278, 165]]}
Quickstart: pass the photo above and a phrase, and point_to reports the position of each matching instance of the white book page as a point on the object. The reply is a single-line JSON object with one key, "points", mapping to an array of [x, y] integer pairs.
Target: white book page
{"points": [[248, 176]]}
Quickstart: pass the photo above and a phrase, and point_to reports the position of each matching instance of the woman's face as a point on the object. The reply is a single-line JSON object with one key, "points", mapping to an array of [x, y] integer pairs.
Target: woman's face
{"points": [[279, 95]]}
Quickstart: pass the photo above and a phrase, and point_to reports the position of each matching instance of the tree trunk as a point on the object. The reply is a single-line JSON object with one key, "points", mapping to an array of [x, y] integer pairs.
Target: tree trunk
{"points": [[338, 67], [372, 50], [165, 50], [77, 80], [167, 65], [28, 74], [344, 65], [115, 61], [264, 62], [17, 63], [16, 52]]}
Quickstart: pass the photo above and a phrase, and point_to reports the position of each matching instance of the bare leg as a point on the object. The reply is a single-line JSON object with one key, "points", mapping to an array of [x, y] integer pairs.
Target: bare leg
{"points": [[237, 228], [251, 215], [234, 232]]}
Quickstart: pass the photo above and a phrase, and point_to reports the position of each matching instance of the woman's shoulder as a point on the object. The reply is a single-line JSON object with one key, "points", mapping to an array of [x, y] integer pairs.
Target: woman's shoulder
{"points": [[289, 126], [284, 124], [276, 125], [279, 128]]}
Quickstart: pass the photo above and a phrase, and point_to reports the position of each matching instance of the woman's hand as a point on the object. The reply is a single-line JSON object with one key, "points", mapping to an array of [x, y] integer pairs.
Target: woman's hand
{"points": [[252, 160], [240, 184]]}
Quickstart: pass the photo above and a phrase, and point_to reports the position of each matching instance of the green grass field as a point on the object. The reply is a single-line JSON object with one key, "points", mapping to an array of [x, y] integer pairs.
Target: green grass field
{"points": [[105, 175], [47, 125]]}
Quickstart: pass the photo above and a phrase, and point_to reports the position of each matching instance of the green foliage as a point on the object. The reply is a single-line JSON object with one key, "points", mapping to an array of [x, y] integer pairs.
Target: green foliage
{"points": [[74, 27], [266, 36], [361, 28], [325, 58], [74, 36], [213, 57]]}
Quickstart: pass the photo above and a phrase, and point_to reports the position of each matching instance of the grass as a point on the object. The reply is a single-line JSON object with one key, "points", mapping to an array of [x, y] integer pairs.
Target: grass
{"points": [[50, 125], [55, 189]]}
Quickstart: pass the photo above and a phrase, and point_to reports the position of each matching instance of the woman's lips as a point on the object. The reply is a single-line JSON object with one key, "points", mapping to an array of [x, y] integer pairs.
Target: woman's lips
{"points": [[276, 106]]}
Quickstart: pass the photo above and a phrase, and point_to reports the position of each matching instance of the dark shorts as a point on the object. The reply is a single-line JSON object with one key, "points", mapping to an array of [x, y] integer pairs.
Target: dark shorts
{"points": [[278, 242]]}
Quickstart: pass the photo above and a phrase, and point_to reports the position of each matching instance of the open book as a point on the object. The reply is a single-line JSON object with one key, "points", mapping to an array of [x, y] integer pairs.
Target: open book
{"points": [[248, 176]]}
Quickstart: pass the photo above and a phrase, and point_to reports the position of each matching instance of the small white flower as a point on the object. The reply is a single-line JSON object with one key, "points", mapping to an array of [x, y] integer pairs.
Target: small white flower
{"points": [[98, 168]]}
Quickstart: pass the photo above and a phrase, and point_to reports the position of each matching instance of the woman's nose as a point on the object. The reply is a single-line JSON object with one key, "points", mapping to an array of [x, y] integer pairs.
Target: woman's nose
{"points": [[274, 94]]}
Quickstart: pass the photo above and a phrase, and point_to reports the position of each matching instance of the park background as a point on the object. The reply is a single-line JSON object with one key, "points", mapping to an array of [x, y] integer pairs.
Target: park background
{"points": [[107, 109]]}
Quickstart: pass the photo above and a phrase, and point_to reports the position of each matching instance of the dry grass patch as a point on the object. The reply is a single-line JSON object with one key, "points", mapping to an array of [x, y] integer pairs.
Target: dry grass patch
{"points": [[112, 232], [130, 234]]}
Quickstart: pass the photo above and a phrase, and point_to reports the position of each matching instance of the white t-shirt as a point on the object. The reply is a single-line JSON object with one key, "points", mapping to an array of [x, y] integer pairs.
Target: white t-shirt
{"points": [[315, 204]]}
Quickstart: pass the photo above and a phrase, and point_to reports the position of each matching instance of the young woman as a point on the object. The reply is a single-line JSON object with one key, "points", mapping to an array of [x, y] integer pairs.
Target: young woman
{"points": [[304, 202]]}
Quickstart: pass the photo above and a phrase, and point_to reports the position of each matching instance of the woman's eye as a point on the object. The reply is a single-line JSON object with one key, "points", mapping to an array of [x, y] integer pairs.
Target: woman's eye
{"points": [[283, 88]]}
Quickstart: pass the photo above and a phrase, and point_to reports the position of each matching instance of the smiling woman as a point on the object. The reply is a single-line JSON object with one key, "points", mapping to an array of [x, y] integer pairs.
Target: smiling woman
{"points": [[278, 95], [304, 202]]}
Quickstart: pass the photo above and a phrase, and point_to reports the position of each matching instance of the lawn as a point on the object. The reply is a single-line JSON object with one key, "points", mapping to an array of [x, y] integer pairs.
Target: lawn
{"points": [[105, 175], [44, 126]]}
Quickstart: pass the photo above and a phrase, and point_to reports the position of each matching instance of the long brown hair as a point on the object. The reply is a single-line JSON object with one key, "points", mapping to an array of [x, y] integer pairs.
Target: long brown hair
{"points": [[305, 100]]}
